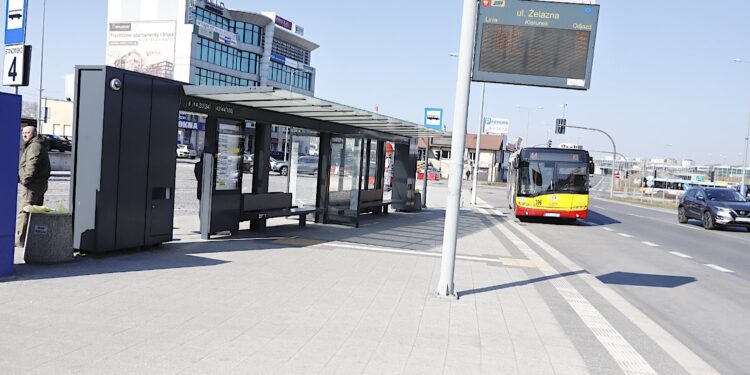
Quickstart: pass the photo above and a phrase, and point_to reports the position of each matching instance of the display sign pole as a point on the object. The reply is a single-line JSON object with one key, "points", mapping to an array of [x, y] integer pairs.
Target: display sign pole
{"points": [[445, 286]]}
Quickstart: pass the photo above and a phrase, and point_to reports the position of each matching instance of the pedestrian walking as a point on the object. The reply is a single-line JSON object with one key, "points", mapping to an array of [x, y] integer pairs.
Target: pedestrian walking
{"points": [[467, 171], [33, 175]]}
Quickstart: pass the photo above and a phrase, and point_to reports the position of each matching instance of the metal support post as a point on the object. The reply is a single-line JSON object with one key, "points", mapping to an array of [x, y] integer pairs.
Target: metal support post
{"points": [[461, 107], [426, 171], [476, 154], [743, 188], [614, 155], [41, 70], [204, 210]]}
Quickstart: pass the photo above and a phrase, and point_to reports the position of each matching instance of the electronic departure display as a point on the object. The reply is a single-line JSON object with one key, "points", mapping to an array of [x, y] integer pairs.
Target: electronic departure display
{"points": [[535, 43]]}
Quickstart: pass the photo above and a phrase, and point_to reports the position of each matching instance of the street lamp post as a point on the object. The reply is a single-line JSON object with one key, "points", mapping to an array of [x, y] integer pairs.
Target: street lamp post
{"points": [[743, 188], [41, 70], [528, 118], [477, 151]]}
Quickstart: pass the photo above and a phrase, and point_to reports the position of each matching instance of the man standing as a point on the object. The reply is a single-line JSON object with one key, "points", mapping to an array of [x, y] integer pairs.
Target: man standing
{"points": [[33, 174]]}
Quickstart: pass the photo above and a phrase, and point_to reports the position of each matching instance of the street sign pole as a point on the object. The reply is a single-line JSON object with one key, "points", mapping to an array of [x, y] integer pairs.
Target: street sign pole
{"points": [[426, 171], [445, 286]]}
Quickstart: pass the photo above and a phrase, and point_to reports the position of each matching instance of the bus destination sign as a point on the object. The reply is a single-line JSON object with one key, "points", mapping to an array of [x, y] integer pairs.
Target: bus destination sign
{"points": [[535, 43]]}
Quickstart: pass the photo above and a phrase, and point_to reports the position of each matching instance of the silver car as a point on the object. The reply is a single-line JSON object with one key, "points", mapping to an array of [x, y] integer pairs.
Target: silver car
{"points": [[279, 166], [307, 165]]}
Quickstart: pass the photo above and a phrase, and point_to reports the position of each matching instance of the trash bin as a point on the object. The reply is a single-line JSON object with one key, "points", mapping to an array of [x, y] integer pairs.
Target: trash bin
{"points": [[49, 237]]}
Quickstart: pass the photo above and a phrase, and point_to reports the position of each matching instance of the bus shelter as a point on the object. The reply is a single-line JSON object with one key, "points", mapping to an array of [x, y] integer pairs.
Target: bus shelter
{"points": [[124, 172]]}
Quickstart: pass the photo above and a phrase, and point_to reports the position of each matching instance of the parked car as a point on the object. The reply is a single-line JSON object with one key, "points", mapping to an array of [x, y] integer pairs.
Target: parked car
{"points": [[279, 166], [56, 142], [714, 207], [308, 165], [186, 151], [278, 155]]}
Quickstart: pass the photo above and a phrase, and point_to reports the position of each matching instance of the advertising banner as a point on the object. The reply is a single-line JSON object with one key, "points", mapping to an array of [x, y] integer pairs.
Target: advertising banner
{"points": [[145, 47], [496, 126], [216, 34]]}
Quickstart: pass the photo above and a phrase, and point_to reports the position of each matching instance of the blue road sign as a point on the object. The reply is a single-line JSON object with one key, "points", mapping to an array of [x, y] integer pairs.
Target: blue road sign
{"points": [[433, 118], [15, 22]]}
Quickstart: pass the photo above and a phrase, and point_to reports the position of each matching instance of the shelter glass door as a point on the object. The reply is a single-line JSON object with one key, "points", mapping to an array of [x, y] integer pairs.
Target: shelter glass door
{"points": [[345, 181]]}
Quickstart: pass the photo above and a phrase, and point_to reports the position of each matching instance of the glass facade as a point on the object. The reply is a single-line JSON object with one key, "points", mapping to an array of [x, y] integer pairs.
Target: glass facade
{"points": [[211, 78], [239, 59], [227, 57], [246, 32], [291, 51], [286, 75]]}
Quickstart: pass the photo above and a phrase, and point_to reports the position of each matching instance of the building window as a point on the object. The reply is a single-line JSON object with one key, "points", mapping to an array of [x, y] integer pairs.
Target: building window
{"points": [[291, 51], [286, 75], [445, 154], [246, 32], [228, 57], [210, 78]]}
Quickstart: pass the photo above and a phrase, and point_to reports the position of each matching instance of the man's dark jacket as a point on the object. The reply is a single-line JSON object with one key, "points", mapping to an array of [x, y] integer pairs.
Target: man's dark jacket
{"points": [[34, 168]]}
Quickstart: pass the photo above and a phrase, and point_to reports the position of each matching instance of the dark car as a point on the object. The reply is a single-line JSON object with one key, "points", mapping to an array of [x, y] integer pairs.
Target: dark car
{"points": [[58, 143], [714, 207]]}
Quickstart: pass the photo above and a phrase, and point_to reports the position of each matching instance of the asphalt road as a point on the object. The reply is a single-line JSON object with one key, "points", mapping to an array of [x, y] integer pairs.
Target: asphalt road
{"points": [[693, 282]]}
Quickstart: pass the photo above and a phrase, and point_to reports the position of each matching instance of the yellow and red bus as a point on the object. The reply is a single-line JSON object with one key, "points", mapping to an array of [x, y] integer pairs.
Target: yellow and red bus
{"points": [[550, 182]]}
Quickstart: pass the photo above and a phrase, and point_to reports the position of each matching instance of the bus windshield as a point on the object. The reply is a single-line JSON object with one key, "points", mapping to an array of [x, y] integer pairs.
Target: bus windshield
{"points": [[546, 177]]}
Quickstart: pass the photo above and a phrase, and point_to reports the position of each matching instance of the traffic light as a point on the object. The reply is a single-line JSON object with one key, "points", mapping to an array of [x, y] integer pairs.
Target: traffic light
{"points": [[560, 126]]}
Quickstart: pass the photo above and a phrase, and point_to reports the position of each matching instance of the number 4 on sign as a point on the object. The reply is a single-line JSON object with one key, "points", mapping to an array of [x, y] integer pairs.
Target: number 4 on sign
{"points": [[12, 73]]}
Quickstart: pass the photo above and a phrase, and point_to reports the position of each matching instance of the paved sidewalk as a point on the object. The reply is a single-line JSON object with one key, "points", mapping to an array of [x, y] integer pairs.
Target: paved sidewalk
{"points": [[319, 300]]}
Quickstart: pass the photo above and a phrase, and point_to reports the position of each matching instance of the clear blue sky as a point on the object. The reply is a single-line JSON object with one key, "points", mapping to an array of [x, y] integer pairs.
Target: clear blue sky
{"points": [[663, 80]]}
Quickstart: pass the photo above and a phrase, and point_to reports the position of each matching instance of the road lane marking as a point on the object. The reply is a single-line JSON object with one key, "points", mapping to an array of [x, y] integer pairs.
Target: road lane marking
{"points": [[681, 255], [510, 262], [600, 208], [625, 235], [690, 361], [608, 229], [719, 268], [629, 360], [649, 244], [639, 216], [674, 222]]}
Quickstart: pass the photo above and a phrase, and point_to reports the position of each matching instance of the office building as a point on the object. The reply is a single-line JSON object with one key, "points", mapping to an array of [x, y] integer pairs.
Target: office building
{"points": [[204, 43]]}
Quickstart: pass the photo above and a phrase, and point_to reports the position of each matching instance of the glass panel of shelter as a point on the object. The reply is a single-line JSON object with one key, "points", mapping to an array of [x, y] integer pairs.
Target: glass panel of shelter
{"points": [[290, 171], [345, 180], [354, 167]]}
